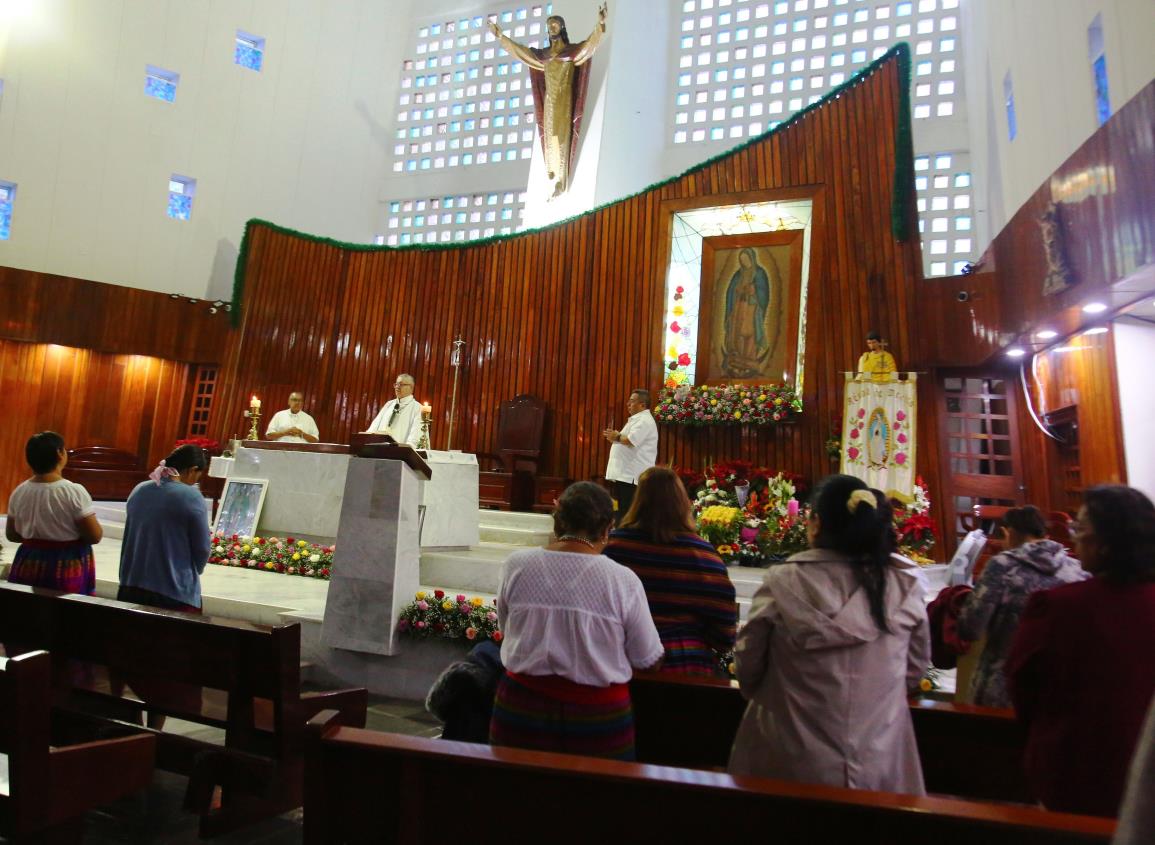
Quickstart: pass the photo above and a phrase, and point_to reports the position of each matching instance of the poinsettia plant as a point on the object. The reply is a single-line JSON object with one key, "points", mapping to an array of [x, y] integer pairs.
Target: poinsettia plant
{"points": [[916, 531], [207, 443]]}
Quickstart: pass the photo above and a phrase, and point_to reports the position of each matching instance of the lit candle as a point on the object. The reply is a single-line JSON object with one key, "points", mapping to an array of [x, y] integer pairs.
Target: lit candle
{"points": [[426, 411], [255, 405]]}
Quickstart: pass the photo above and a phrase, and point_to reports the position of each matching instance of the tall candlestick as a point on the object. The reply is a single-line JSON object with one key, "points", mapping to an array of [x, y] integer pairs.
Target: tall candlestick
{"points": [[426, 410], [255, 404]]}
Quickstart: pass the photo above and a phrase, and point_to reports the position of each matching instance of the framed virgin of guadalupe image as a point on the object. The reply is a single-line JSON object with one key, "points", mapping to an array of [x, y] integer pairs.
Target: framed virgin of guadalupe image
{"points": [[240, 509], [749, 308]]}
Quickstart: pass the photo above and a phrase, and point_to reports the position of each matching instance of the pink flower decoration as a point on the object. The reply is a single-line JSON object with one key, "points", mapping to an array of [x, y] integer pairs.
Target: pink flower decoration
{"points": [[861, 413], [748, 534], [422, 605], [420, 624], [460, 598], [674, 327], [852, 452], [403, 625], [854, 434], [491, 616], [901, 438], [900, 416], [900, 458]]}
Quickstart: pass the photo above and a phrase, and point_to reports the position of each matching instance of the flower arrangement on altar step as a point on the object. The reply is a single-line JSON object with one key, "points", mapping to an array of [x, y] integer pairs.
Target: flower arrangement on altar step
{"points": [[287, 555], [916, 532], [458, 618], [735, 404], [211, 446], [751, 515]]}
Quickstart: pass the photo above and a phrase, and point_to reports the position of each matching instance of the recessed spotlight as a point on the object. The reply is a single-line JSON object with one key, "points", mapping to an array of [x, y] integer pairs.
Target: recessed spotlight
{"points": [[1016, 352], [1047, 334], [174, 296], [1094, 308], [1068, 348], [1096, 330]]}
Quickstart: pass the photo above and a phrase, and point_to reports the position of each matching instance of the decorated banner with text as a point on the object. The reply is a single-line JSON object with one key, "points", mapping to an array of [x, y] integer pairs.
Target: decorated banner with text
{"points": [[878, 433]]}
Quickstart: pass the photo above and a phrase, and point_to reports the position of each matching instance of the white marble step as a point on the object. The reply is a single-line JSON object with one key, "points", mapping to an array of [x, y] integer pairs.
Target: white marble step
{"points": [[514, 536], [515, 519], [477, 568], [746, 579]]}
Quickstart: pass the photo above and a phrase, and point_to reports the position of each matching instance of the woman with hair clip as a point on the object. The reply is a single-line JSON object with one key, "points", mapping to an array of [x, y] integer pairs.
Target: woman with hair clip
{"points": [[166, 535], [835, 640]]}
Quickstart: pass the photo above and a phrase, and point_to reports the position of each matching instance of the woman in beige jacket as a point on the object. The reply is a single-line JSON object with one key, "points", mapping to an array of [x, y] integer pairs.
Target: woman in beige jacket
{"points": [[836, 638]]}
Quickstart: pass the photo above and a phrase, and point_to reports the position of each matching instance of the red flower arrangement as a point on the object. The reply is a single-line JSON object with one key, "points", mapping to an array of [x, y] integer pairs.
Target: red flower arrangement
{"points": [[206, 443]]}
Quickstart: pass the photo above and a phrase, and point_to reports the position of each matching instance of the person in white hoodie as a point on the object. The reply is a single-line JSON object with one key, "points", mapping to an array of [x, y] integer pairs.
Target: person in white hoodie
{"points": [[836, 639]]}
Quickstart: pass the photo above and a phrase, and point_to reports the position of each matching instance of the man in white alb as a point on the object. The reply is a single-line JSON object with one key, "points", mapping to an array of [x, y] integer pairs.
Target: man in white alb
{"points": [[634, 450], [401, 417], [293, 425]]}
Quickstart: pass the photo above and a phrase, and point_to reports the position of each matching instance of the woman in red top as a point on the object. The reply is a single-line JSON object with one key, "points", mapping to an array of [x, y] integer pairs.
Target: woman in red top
{"points": [[1082, 666]]}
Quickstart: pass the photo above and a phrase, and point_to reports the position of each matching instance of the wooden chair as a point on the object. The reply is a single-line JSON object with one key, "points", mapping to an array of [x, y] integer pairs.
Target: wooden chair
{"points": [[107, 474], [507, 475], [45, 790], [364, 786]]}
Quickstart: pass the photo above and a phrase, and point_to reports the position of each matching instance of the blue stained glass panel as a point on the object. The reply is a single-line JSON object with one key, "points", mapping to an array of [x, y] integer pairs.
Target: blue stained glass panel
{"points": [[161, 89], [179, 206], [5, 220], [1102, 91], [248, 55]]}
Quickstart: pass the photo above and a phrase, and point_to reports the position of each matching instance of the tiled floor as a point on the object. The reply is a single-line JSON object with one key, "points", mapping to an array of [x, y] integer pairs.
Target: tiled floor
{"points": [[156, 816]]}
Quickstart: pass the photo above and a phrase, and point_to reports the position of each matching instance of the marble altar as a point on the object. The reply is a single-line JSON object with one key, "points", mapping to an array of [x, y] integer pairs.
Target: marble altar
{"points": [[305, 490], [450, 501], [376, 567]]}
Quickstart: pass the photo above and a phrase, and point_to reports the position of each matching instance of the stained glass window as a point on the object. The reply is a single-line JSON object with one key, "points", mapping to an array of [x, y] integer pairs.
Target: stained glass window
{"points": [[7, 199], [181, 190], [249, 51], [160, 83]]}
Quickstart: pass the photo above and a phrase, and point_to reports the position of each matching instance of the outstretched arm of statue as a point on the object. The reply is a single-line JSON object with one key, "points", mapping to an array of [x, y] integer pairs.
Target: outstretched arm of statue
{"points": [[518, 51], [586, 48]]}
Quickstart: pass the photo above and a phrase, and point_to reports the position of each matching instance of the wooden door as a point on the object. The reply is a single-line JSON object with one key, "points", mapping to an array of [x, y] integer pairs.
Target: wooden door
{"points": [[979, 442]]}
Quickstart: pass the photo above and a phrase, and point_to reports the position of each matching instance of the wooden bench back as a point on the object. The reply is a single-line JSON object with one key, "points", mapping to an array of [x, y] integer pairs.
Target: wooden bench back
{"points": [[222, 654], [25, 694], [965, 750], [362, 786]]}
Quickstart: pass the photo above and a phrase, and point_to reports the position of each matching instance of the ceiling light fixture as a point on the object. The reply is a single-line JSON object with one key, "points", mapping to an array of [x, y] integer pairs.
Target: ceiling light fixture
{"points": [[1047, 334], [1094, 308], [1096, 330], [1016, 352]]}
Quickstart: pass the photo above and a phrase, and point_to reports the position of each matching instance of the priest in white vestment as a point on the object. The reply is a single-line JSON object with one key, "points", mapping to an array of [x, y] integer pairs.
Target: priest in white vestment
{"points": [[401, 417], [293, 425]]}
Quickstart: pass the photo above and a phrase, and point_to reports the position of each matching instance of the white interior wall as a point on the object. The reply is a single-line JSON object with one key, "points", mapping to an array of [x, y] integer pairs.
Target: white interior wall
{"points": [[1134, 352], [301, 143], [1043, 43]]}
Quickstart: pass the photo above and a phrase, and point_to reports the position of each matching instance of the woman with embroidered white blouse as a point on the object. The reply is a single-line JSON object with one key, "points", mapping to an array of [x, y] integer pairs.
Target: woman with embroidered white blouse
{"points": [[54, 522], [576, 627]]}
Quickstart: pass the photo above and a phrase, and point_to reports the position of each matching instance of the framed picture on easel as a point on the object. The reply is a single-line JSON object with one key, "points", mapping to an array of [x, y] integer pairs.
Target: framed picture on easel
{"points": [[240, 509]]}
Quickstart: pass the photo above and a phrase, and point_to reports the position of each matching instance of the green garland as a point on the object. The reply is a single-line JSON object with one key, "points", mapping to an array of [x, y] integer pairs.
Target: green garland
{"points": [[899, 207]]}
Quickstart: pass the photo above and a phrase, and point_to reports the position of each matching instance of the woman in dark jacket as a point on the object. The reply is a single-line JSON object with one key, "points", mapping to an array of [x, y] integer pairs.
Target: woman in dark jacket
{"points": [[1082, 666]]}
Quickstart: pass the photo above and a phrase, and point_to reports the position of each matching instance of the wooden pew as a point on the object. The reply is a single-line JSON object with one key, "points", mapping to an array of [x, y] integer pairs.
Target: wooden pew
{"points": [[44, 791], [363, 786], [969, 751], [237, 676]]}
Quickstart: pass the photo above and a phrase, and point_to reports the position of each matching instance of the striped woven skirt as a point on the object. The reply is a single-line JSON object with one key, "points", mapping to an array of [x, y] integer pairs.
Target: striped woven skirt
{"points": [[555, 714], [68, 566], [688, 656]]}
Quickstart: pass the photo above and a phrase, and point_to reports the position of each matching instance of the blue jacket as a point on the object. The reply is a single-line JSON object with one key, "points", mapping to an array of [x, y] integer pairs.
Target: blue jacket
{"points": [[166, 541]]}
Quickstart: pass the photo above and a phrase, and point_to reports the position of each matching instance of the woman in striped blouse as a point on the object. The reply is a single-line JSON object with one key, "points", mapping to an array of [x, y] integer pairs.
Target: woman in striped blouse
{"points": [[689, 590]]}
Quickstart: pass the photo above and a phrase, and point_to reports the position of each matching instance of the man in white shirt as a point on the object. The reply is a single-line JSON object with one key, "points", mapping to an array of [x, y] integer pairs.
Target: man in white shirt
{"points": [[401, 417], [293, 425], [634, 450]]}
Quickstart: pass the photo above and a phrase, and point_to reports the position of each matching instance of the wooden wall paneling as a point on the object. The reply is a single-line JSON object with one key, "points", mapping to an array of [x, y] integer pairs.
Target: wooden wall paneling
{"points": [[573, 313]]}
